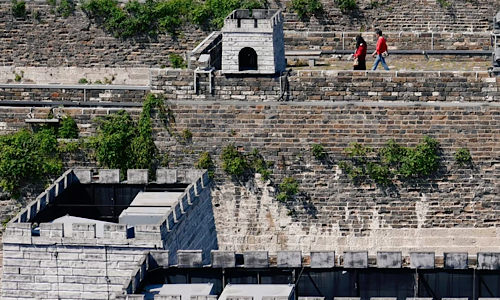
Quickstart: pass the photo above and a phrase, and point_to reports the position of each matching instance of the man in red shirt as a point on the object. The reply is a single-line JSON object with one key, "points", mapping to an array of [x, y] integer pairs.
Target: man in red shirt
{"points": [[381, 48]]}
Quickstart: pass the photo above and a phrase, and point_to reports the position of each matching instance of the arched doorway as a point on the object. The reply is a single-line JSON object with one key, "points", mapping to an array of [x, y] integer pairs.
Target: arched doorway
{"points": [[247, 59]]}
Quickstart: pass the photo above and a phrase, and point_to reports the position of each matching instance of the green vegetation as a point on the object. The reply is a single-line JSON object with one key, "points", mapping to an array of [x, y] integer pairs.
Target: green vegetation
{"points": [[306, 8], [444, 3], [233, 162], [157, 16], [463, 157], [27, 156], [177, 61], [122, 144], [346, 5], [186, 134], [83, 81], [288, 188], [205, 162], [318, 151], [66, 8], [18, 77], [67, 128], [391, 162], [236, 163], [18, 9]]}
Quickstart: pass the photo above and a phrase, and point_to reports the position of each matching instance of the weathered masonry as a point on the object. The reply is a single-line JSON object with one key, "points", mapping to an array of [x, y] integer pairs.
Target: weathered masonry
{"points": [[253, 42], [46, 258]]}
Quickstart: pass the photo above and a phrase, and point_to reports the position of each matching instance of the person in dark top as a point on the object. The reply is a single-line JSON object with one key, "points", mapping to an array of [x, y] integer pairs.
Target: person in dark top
{"points": [[360, 53]]}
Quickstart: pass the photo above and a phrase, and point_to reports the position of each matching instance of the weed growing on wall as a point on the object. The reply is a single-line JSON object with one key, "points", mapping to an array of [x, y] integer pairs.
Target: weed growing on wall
{"points": [[287, 189], [122, 144], [236, 163], [346, 5], [391, 162], [318, 151], [157, 16], [463, 157], [205, 162], [26, 156], [177, 61], [67, 128], [18, 9], [306, 8]]}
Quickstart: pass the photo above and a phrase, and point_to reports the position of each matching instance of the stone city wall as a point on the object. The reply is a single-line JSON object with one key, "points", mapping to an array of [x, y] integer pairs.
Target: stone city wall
{"points": [[54, 41], [454, 210], [83, 266]]}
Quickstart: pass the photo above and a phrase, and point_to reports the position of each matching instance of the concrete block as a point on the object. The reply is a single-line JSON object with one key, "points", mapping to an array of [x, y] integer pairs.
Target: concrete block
{"points": [[419, 298], [192, 175], [223, 259], [166, 176], [256, 259], [383, 298], [84, 176], [422, 260], [346, 298], [115, 231], [239, 298], [274, 298], [389, 260], [189, 259], [311, 298], [488, 261], [289, 259], [356, 259], [51, 230], [455, 298], [158, 259], [204, 297], [456, 260], [322, 259], [109, 176], [137, 176]]}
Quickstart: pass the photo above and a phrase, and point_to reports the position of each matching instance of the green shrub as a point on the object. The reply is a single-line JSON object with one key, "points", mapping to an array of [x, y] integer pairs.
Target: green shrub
{"points": [[259, 165], [67, 128], [18, 9], [83, 81], [391, 161], [66, 8], [463, 157], [346, 5], [205, 162], [186, 134], [27, 156], [177, 61], [288, 188], [233, 162], [306, 8], [444, 3], [318, 151]]}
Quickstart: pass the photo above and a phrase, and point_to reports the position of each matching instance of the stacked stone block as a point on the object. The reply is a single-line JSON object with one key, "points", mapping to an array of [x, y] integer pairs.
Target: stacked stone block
{"points": [[84, 266]]}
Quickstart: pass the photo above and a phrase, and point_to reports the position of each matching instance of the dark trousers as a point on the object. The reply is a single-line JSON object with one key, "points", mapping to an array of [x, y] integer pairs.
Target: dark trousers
{"points": [[361, 65]]}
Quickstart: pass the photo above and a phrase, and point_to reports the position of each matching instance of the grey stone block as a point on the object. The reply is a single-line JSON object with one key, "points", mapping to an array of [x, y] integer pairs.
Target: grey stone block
{"points": [[84, 176], [419, 298], [239, 298], [465, 298], [223, 259], [356, 259], [137, 176], [166, 176], [204, 297], [289, 259], [383, 298], [389, 260], [311, 298], [109, 176], [322, 259], [256, 259], [158, 259], [167, 297], [274, 298], [487, 299], [189, 259], [346, 298], [422, 260], [488, 261], [192, 175], [456, 260]]}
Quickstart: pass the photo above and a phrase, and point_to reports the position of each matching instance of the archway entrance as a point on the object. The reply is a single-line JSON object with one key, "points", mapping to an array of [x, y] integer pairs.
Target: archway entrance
{"points": [[247, 59]]}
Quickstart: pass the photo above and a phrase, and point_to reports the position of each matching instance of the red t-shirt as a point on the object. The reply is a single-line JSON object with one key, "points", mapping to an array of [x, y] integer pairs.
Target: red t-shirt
{"points": [[381, 45], [361, 52]]}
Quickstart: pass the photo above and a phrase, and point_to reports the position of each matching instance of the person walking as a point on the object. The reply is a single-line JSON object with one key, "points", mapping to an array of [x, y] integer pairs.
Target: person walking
{"points": [[360, 55], [381, 51]]}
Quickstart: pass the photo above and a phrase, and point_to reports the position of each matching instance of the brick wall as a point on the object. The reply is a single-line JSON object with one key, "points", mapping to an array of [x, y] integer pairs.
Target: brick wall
{"points": [[75, 42], [83, 266]]}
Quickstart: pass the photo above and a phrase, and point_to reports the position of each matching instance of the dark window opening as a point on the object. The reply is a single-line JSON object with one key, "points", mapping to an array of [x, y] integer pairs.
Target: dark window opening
{"points": [[247, 59]]}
